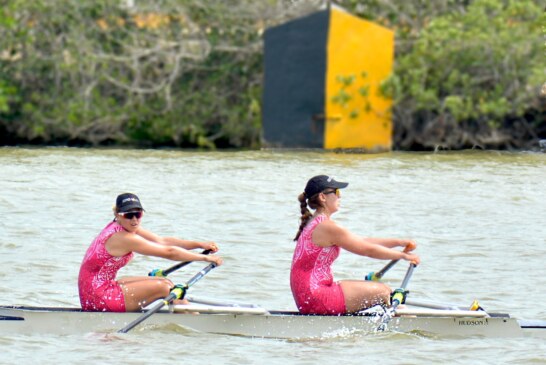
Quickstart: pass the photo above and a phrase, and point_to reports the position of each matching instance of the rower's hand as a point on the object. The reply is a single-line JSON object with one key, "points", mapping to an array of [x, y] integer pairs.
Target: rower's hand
{"points": [[210, 246], [213, 258], [410, 245], [413, 258]]}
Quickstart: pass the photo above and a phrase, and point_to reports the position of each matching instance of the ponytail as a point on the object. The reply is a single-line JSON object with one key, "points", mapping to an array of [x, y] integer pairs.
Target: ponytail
{"points": [[305, 214]]}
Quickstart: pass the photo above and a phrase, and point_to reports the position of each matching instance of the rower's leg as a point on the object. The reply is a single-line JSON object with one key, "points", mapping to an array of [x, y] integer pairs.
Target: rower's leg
{"points": [[364, 294], [143, 290]]}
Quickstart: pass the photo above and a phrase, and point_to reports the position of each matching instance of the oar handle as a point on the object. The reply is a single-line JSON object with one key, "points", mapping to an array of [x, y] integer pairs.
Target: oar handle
{"points": [[163, 273]]}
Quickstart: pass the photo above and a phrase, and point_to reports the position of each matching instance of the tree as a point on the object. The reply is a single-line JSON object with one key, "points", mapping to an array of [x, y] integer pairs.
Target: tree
{"points": [[177, 73], [467, 73], [188, 73]]}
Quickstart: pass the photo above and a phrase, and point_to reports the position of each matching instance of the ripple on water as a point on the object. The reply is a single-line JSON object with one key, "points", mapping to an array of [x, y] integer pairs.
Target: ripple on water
{"points": [[477, 217]]}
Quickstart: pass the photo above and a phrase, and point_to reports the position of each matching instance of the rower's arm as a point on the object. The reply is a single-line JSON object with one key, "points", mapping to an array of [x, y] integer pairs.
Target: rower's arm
{"points": [[122, 243], [393, 242], [363, 247], [328, 233], [178, 242]]}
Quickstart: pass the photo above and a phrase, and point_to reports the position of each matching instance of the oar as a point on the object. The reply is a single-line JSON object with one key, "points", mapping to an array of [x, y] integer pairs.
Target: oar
{"points": [[398, 298], [376, 276], [163, 273], [177, 292]]}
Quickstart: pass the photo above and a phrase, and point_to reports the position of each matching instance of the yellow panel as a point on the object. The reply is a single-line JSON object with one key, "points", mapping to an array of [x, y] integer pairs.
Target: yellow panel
{"points": [[360, 56]]}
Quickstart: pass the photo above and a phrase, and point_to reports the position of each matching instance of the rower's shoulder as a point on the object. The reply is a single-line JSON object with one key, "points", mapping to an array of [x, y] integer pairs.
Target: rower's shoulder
{"points": [[329, 227]]}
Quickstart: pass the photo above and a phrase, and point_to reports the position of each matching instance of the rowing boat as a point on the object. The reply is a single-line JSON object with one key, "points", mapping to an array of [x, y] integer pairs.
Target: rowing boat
{"points": [[254, 321], [241, 319]]}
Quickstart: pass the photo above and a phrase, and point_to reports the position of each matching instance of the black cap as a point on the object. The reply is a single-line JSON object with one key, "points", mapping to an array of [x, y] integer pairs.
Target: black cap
{"points": [[320, 183], [127, 201]]}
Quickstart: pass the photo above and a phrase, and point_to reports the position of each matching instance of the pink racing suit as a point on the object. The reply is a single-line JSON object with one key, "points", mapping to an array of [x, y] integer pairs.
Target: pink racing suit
{"points": [[311, 278], [98, 288]]}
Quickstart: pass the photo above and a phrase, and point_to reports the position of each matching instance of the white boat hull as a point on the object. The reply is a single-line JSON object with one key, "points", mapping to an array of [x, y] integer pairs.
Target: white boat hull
{"points": [[31, 320]]}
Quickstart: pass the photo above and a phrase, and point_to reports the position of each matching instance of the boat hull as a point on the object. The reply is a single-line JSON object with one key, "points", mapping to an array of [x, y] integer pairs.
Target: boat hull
{"points": [[287, 325]]}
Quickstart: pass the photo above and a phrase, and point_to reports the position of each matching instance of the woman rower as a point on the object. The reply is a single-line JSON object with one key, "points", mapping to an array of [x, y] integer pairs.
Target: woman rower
{"points": [[113, 248], [319, 240]]}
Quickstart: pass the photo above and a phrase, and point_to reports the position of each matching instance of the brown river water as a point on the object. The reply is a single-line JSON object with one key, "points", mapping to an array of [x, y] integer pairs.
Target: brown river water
{"points": [[479, 219]]}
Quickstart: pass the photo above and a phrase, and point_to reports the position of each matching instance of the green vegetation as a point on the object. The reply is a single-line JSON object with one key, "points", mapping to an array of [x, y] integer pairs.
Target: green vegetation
{"points": [[188, 73]]}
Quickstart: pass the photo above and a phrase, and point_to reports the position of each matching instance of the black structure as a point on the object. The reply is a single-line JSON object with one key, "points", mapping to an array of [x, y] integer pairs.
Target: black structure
{"points": [[295, 72]]}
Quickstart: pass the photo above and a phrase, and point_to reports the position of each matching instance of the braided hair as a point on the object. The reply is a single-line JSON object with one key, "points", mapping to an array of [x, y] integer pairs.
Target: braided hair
{"points": [[306, 214]]}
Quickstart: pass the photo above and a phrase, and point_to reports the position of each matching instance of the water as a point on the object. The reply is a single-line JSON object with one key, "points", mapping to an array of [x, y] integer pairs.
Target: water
{"points": [[478, 218]]}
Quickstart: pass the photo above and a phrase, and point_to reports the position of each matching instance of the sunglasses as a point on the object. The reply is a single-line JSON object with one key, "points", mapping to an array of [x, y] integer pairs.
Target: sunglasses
{"points": [[335, 191], [131, 215]]}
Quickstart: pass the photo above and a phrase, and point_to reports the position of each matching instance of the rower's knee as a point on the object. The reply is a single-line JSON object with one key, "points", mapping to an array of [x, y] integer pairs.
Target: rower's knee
{"points": [[164, 286], [384, 293]]}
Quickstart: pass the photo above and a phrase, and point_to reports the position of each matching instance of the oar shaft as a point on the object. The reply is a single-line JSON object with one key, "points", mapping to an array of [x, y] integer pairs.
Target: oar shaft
{"points": [[387, 267], [398, 298], [200, 274], [173, 268], [376, 276], [177, 292], [182, 264], [407, 278], [400, 293], [145, 316]]}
